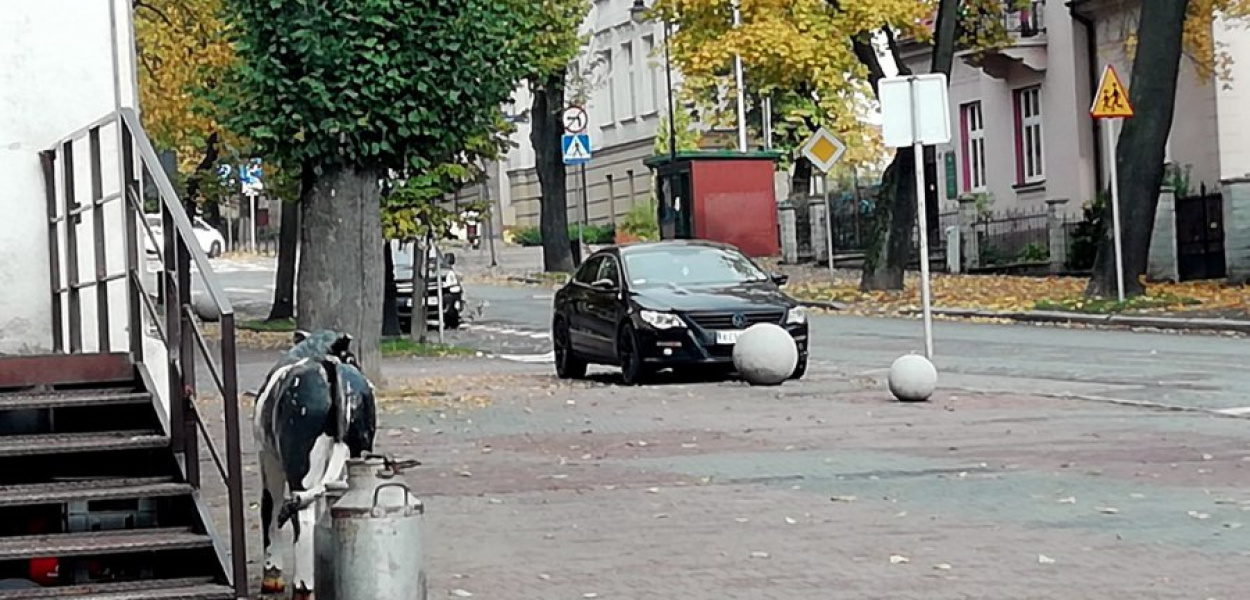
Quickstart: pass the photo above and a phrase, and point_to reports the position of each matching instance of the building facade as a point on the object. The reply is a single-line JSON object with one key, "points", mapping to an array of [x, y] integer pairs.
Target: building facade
{"points": [[1022, 133], [622, 85], [48, 90]]}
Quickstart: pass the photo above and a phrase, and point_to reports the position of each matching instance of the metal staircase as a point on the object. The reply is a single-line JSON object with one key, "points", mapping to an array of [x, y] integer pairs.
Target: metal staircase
{"points": [[101, 495]]}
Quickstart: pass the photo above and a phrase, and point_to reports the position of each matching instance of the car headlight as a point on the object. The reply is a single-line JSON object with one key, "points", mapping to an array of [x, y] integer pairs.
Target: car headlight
{"points": [[796, 316], [661, 320]]}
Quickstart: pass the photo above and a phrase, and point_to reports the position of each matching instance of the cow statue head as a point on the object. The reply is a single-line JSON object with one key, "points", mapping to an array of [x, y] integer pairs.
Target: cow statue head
{"points": [[324, 343]]}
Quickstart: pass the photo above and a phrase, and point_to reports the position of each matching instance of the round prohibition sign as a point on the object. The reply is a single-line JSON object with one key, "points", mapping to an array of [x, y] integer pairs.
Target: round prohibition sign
{"points": [[575, 119]]}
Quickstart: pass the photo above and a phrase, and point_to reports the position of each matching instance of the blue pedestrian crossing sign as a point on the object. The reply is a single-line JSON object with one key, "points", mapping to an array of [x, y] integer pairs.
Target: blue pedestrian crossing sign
{"points": [[576, 148]]}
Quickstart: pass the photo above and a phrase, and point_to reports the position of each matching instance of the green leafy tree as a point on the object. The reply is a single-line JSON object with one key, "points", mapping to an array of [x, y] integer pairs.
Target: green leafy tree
{"points": [[551, 34], [353, 91]]}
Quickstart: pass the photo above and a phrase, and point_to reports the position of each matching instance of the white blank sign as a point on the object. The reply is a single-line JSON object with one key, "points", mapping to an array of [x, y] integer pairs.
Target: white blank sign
{"points": [[923, 96]]}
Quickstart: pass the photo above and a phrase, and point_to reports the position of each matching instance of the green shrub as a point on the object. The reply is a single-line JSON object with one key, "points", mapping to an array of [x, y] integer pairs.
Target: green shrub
{"points": [[1034, 253], [593, 234], [1084, 240], [641, 221], [528, 236]]}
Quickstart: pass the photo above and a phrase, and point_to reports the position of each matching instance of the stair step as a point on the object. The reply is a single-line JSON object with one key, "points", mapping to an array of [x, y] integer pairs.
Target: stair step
{"points": [[71, 399], [94, 543], [65, 443], [91, 490], [154, 589]]}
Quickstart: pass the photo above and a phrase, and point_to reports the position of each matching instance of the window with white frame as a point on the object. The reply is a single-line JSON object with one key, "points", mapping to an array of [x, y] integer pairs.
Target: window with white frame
{"points": [[1030, 165], [648, 100], [606, 91], [629, 103], [973, 124]]}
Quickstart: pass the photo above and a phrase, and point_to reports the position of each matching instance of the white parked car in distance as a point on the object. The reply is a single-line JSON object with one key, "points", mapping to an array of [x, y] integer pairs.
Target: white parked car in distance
{"points": [[211, 241]]}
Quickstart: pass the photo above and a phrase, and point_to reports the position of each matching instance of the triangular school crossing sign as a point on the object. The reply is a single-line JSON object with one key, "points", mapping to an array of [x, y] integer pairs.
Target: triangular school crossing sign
{"points": [[1112, 100]]}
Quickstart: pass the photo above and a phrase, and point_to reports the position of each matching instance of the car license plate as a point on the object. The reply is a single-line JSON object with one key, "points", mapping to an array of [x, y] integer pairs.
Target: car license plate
{"points": [[432, 301], [727, 338]]}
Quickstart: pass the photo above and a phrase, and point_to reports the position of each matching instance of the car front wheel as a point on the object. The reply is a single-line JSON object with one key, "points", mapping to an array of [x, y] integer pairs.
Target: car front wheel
{"points": [[800, 369], [215, 250], [568, 364], [633, 370], [451, 319]]}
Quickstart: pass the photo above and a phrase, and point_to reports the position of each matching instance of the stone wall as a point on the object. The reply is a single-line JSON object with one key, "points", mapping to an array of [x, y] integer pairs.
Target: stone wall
{"points": [[1237, 229]]}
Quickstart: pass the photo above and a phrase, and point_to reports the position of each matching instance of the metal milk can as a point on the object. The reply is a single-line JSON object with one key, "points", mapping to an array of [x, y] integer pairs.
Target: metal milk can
{"points": [[323, 542], [376, 536]]}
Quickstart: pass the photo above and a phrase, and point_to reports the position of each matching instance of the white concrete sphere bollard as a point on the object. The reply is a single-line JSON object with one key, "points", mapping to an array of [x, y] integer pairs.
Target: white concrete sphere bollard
{"points": [[913, 378], [765, 355], [204, 307]]}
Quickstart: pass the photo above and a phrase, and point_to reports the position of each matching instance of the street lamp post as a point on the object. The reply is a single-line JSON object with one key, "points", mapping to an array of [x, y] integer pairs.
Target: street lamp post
{"points": [[638, 12]]}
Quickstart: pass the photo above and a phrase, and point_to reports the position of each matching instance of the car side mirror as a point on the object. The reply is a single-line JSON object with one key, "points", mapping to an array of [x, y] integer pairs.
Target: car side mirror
{"points": [[449, 258], [604, 284], [780, 278]]}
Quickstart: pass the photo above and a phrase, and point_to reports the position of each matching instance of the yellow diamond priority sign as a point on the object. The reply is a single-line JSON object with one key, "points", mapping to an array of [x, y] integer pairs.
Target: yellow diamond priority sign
{"points": [[823, 149]]}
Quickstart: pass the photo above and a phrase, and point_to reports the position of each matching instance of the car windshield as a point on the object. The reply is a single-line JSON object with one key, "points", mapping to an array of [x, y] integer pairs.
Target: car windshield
{"points": [[691, 266]]}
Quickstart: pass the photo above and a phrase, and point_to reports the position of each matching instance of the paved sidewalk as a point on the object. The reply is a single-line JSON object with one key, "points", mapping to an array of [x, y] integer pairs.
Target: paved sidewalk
{"points": [[818, 489]]}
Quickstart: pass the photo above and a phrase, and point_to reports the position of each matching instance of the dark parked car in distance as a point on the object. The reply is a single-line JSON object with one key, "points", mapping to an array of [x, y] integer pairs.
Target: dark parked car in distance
{"points": [[671, 304], [453, 290]]}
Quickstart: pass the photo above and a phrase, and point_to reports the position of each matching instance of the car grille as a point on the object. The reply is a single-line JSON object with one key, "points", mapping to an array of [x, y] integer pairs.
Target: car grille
{"points": [[725, 320]]}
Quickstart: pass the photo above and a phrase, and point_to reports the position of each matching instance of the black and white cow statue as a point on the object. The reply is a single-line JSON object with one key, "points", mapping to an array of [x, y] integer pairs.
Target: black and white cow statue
{"points": [[315, 410]]}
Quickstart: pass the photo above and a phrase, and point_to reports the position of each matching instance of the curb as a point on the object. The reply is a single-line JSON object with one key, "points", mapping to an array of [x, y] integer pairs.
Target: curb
{"points": [[1130, 321], [1040, 316], [1044, 316]]}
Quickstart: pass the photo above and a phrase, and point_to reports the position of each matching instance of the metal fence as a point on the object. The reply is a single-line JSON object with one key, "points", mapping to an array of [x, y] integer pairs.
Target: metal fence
{"points": [[852, 215], [1016, 237]]}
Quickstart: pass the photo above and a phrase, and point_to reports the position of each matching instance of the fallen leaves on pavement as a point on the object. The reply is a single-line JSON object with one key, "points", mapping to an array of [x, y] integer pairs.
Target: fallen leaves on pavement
{"points": [[458, 392], [1007, 293]]}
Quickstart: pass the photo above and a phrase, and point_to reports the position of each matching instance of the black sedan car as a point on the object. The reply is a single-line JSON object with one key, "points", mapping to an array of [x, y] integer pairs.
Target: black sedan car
{"points": [[672, 304]]}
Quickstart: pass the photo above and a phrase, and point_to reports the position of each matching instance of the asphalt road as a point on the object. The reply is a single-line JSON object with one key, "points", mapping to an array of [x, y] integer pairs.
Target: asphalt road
{"points": [[1195, 371], [1190, 371]]}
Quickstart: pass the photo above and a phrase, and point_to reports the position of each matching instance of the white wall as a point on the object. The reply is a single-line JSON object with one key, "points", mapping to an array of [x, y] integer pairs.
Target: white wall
{"points": [[55, 77], [1233, 100]]}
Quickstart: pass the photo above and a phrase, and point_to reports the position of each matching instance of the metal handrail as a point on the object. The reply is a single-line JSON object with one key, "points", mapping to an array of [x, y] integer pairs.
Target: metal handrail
{"points": [[180, 334], [181, 222]]}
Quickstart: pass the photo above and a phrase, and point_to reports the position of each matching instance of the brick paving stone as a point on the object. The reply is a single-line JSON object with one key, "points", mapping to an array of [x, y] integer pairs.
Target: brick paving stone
{"points": [[718, 490]]}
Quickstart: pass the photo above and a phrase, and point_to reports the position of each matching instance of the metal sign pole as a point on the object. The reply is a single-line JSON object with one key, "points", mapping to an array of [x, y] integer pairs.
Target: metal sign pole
{"points": [[1109, 130], [581, 238], [923, 223], [828, 225], [438, 283]]}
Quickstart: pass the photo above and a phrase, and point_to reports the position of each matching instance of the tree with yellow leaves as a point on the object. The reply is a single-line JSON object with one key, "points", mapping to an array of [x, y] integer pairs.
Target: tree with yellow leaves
{"points": [[183, 45], [821, 59]]}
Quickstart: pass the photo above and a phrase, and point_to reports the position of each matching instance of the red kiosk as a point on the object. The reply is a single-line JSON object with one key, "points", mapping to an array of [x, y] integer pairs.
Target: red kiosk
{"points": [[720, 196]]}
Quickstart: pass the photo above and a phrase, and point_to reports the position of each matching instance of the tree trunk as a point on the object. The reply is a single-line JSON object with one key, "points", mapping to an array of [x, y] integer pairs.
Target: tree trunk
{"points": [[1142, 146], [889, 234], [288, 251], [552, 179], [340, 261], [888, 243], [946, 32], [889, 229], [390, 295], [801, 180], [206, 166], [420, 313]]}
